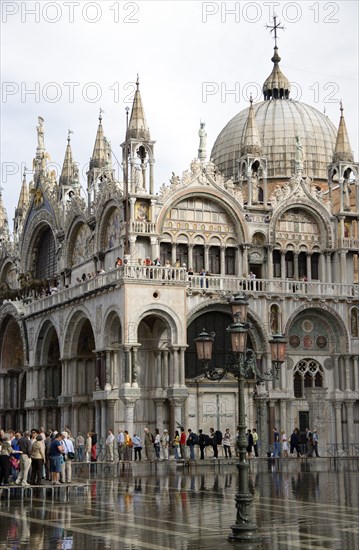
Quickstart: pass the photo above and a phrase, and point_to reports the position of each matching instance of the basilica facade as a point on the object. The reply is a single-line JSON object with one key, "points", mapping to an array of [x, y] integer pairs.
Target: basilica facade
{"points": [[95, 343]]}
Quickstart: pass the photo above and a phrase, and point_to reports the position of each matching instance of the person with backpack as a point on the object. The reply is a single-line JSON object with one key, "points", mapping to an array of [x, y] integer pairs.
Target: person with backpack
{"points": [[213, 438], [192, 440], [202, 442]]}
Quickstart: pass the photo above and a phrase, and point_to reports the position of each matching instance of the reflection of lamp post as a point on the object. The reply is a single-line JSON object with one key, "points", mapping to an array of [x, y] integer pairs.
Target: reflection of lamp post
{"points": [[240, 362]]}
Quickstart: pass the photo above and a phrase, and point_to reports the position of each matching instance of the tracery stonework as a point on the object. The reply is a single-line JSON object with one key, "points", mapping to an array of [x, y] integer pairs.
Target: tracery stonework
{"points": [[298, 227], [83, 246]]}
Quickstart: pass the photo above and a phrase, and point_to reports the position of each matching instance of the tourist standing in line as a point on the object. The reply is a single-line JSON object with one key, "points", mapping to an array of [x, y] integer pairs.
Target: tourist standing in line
{"points": [[183, 440], [285, 448], [120, 444], [37, 460], [165, 444], [80, 442], [295, 443], [157, 444], [315, 443], [255, 442], [176, 445], [109, 444], [276, 448], [137, 446], [227, 443], [149, 448], [25, 460], [88, 445]]}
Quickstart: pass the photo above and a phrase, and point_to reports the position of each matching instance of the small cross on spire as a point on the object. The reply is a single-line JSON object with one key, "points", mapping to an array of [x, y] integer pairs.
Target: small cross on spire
{"points": [[274, 28]]}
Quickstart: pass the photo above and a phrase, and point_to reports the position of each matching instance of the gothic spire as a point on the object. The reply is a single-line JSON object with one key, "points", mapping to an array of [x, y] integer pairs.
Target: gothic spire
{"points": [[137, 127], [4, 225], [99, 155], [342, 151], [69, 173], [24, 194], [251, 144]]}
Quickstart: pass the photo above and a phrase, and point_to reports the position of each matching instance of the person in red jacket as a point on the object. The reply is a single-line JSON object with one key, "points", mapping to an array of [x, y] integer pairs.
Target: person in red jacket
{"points": [[183, 439]]}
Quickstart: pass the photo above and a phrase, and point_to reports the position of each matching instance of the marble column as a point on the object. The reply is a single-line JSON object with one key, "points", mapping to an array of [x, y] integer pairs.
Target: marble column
{"points": [[159, 413], [134, 365], [177, 411], [175, 368], [338, 422], [356, 372], [75, 420], [111, 404], [165, 377], [350, 422], [272, 423], [104, 426], [347, 360], [296, 265], [343, 266], [181, 366], [98, 418], [129, 413], [270, 261], [222, 261], [262, 425], [108, 380], [283, 273], [206, 257], [309, 267], [190, 255]]}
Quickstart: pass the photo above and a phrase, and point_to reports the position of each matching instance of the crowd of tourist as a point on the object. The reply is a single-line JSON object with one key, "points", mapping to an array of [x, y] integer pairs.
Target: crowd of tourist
{"points": [[31, 456]]}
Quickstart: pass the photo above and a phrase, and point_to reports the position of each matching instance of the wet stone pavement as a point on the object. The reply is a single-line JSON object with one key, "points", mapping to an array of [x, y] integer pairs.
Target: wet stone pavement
{"points": [[302, 504]]}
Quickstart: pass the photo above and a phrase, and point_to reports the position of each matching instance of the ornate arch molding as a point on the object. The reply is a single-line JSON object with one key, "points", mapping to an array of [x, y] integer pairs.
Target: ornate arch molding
{"points": [[108, 318], [71, 235], [232, 208], [319, 213], [328, 311], [38, 222], [72, 330], [258, 333], [167, 315], [43, 331], [9, 310], [7, 263], [111, 200]]}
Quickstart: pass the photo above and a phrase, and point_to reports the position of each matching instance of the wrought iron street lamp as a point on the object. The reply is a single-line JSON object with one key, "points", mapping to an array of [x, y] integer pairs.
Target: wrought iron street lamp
{"points": [[240, 362]]}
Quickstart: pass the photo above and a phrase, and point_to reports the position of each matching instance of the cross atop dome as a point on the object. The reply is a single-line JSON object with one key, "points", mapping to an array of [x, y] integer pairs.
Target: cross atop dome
{"points": [[274, 28]]}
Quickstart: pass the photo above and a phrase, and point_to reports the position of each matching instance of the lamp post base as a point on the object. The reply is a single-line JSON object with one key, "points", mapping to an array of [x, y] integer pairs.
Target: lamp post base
{"points": [[245, 534]]}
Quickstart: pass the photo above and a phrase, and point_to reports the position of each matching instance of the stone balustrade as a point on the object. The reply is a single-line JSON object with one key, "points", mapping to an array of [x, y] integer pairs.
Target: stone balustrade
{"points": [[195, 283]]}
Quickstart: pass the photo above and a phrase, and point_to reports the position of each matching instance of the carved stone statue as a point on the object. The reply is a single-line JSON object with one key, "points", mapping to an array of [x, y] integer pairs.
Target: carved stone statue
{"points": [[202, 142], [254, 183], [40, 133], [299, 157], [346, 194]]}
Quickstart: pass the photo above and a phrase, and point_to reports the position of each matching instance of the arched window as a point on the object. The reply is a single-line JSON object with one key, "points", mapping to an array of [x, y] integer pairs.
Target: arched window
{"points": [[354, 322], [45, 266], [307, 374]]}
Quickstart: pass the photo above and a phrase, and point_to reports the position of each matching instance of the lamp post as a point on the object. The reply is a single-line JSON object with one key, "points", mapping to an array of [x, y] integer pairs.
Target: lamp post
{"points": [[240, 362]]}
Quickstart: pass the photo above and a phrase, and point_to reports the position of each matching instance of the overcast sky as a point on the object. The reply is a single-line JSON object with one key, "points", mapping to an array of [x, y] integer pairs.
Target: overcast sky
{"points": [[196, 61]]}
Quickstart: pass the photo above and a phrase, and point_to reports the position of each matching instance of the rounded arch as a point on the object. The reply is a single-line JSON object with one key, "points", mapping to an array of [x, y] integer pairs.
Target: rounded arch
{"points": [[108, 228], [9, 311], [112, 333], [324, 319], [11, 344], [320, 215], [79, 242], [8, 273], [72, 331], [41, 223], [46, 335], [170, 318], [232, 208]]}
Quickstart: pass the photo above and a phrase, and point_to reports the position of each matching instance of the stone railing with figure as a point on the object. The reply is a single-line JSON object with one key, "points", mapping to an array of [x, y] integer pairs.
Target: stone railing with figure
{"points": [[196, 284]]}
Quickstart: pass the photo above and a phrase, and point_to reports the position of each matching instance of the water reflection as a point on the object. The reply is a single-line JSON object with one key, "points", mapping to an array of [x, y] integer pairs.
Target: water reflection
{"points": [[185, 510]]}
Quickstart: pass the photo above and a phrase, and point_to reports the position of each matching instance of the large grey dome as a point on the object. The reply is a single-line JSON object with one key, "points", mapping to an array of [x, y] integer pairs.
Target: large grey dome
{"points": [[279, 121]]}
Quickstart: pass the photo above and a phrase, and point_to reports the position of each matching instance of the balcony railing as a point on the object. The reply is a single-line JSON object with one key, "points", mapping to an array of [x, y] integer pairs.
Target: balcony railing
{"points": [[195, 284]]}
